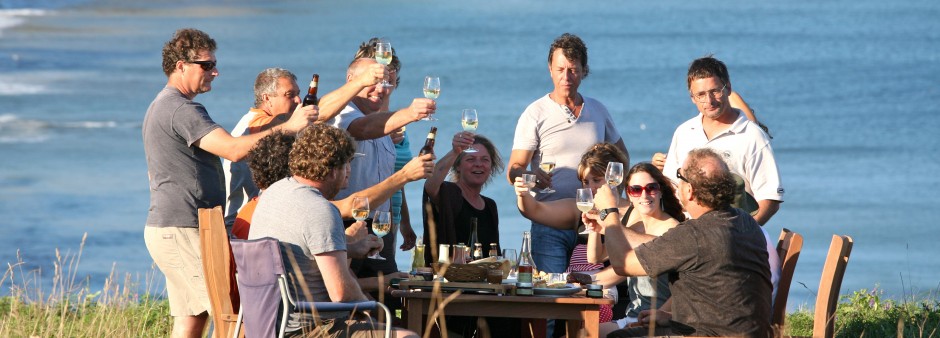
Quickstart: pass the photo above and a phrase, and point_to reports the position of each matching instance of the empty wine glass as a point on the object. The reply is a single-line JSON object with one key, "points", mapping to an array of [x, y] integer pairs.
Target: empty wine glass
{"points": [[513, 258], [383, 55], [381, 226], [547, 165], [469, 123], [432, 89], [585, 202], [614, 174]]}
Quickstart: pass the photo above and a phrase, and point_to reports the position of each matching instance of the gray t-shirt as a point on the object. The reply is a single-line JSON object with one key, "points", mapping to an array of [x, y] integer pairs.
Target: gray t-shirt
{"points": [[720, 276], [307, 224], [546, 129], [183, 177]]}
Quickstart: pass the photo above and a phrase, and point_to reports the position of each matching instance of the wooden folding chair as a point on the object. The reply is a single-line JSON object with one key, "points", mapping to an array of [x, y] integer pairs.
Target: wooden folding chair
{"points": [[218, 269], [827, 298], [788, 248]]}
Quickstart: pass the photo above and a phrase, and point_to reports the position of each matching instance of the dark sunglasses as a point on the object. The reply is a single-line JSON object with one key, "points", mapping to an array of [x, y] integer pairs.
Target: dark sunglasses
{"points": [[636, 191], [679, 175], [206, 65]]}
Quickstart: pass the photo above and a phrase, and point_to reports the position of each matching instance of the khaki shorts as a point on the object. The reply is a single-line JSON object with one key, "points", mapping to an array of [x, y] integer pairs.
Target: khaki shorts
{"points": [[176, 252]]}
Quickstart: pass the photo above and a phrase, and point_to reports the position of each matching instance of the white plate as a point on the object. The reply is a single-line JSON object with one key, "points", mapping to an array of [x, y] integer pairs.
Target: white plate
{"points": [[568, 290]]}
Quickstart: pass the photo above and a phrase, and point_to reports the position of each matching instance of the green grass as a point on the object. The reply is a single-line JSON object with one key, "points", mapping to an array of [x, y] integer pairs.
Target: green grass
{"points": [[865, 313]]}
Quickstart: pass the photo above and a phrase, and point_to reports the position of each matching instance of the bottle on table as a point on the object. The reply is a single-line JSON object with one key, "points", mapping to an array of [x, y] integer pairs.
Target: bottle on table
{"points": [[477, 251], [311, 98], [494, 250], [429, 143], [418, 261], [526, 265]]}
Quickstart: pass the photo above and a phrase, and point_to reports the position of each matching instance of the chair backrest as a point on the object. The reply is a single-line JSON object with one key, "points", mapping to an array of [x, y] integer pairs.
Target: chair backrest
{"points": [[260, 267], [218, 270], [788, 248], [827, 298]]}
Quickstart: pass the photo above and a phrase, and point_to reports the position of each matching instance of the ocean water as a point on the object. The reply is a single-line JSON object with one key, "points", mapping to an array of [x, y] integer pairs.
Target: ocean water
{"points": [[850, 90]]}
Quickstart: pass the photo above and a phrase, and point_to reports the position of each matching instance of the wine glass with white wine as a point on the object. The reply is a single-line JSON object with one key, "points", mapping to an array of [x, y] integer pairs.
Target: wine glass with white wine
{"points": [[383, 55], [584, 200], [470, 123], [432, 89], [381, 226], [547, 165], [614, 174]]}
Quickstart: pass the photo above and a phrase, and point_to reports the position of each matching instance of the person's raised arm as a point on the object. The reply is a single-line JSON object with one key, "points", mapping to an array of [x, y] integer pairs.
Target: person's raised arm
{"points": [[560, 214], [339, 281], [416, 169], [220, 143], [333, 102], [518, 162], [596, 252], [619, 240], [461, 141], [376, 125]]}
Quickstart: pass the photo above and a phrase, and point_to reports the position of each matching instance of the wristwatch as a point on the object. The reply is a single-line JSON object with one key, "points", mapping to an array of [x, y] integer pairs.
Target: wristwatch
{"points": [[603, 214]]}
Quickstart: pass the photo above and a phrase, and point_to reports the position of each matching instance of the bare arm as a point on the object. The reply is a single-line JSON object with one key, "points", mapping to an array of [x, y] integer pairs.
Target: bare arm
{"points": [[416, 169], [737, 102], [596, 252], [333, 102], [432, 186], [619, 240], [340, 283], [407, 232], [766, 210], [220, 143], [560, 214], [376, 125]]}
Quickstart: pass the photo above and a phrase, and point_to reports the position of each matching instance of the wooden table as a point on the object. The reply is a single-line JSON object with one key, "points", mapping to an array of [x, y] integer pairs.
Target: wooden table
{"points": [[580, 311]]}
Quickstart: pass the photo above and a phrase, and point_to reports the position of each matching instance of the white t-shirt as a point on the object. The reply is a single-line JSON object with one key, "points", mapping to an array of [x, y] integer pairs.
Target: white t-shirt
{"points": [[744, 147], [547, 130]]}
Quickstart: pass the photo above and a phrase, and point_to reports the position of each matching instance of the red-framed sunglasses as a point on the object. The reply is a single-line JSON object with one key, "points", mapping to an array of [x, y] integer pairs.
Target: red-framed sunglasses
{"points": [[637, 191]]}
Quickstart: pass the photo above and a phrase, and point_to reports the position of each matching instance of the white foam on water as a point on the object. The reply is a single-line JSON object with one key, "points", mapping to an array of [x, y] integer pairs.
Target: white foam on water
{"points": [[8, 88], [14, 17]]}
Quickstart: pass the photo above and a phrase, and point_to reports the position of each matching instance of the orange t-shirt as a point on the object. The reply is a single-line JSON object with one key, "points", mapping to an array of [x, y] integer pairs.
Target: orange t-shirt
{"points": [[243, 220]]}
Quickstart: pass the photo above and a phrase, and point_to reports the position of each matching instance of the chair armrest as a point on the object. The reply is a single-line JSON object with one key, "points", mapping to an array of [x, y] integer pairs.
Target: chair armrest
{"points": [[337, 307]]}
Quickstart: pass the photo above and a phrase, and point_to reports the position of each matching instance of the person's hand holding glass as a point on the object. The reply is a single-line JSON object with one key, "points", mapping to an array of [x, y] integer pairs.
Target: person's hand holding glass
{"points": [[383, 55], [381, 226], [469, 123], [547, 165], [584, 200], [432, 89]]}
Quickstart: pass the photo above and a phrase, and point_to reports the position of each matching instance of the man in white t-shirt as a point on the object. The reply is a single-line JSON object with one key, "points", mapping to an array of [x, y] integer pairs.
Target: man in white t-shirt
{"points": [[560, 127], [742, 144]]}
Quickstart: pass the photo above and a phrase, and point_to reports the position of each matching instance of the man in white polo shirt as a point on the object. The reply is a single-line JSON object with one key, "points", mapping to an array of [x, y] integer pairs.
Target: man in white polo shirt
{"points": [[742, 144]]}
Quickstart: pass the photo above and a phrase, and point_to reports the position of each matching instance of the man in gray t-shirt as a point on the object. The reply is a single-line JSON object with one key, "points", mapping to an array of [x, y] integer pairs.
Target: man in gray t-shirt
{"points": [[183, 145], [297, 212], [716, 262]]}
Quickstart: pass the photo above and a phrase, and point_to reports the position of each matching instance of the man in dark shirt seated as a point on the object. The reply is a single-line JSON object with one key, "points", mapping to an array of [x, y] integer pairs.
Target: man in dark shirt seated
{"points": [[717, 261]]}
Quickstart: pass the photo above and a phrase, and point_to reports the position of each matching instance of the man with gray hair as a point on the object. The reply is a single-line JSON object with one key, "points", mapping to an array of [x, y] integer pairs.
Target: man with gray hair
{"points": [[716, 261]]}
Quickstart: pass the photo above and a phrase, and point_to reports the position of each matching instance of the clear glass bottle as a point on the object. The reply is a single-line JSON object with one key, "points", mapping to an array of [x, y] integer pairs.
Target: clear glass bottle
{"points": [[526, 264], [418, 261]]}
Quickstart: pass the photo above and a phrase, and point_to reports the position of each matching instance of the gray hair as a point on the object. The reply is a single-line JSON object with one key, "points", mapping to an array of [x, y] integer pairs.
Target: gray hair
{"points": [[266, 82]]}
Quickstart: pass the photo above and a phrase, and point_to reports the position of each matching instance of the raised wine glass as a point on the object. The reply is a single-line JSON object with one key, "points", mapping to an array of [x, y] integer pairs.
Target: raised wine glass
{"points": [[360, 208], [383, 55], [547, 165], [470, 123], [381, 226], [585, 202], [432, 89], [614, 174]]}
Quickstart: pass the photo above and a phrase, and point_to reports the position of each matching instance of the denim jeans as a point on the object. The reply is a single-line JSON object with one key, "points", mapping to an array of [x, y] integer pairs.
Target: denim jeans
{"points": [[551, 248]]}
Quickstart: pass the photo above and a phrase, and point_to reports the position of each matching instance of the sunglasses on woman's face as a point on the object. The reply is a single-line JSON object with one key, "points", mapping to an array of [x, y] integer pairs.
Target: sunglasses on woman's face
{"points": [[637, 191]]}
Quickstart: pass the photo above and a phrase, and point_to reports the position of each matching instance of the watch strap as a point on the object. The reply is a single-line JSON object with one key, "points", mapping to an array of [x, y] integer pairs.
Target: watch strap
{"points": [[603, 214]]}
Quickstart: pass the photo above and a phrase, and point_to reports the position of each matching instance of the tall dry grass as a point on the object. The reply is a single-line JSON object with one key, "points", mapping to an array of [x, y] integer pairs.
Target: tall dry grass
{"points": [[73, 308]]}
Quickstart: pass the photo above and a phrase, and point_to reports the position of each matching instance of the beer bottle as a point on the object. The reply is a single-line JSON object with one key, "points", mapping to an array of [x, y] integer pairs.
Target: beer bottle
{"points": [[429, 143], [477, 251], [311, 98], [494, 250], [526, 264]]}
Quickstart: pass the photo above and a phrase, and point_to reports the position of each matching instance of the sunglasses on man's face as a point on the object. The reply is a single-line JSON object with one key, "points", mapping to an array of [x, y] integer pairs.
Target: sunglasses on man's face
{"points": [[206, 65], [637, 191]]}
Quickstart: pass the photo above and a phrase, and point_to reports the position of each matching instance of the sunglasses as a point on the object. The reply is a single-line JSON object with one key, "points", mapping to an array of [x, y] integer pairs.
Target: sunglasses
{"points": [[206, 65], [637, 191], [679, 176]]}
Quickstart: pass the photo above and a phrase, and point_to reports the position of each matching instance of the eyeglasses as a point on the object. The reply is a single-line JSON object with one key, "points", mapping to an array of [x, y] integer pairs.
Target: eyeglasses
{"points": [[716, 93], [206, 65], [636, 190], [679, 175]]}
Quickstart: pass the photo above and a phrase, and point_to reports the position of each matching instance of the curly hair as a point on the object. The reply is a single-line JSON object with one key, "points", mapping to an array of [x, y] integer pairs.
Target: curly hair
{"points": [[367, 51], [671, 204], [573, 48], [268, 159], [596, 158], [496, 162], [712, 182], [185, 44], [706, 67], [266, 82], [319, 149]]}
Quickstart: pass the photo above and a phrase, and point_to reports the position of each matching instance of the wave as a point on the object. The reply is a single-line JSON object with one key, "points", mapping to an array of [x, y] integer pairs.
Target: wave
{"points": [[11, 89], [16, 130]]}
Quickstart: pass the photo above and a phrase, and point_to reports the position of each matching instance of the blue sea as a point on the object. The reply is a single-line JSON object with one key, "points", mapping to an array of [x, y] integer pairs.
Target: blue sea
{"points": [[850, 90]]}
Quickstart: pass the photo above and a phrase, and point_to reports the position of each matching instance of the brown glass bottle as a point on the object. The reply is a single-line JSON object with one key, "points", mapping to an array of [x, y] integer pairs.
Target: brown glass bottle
{"points": [[311, 98], [429, 143]]}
